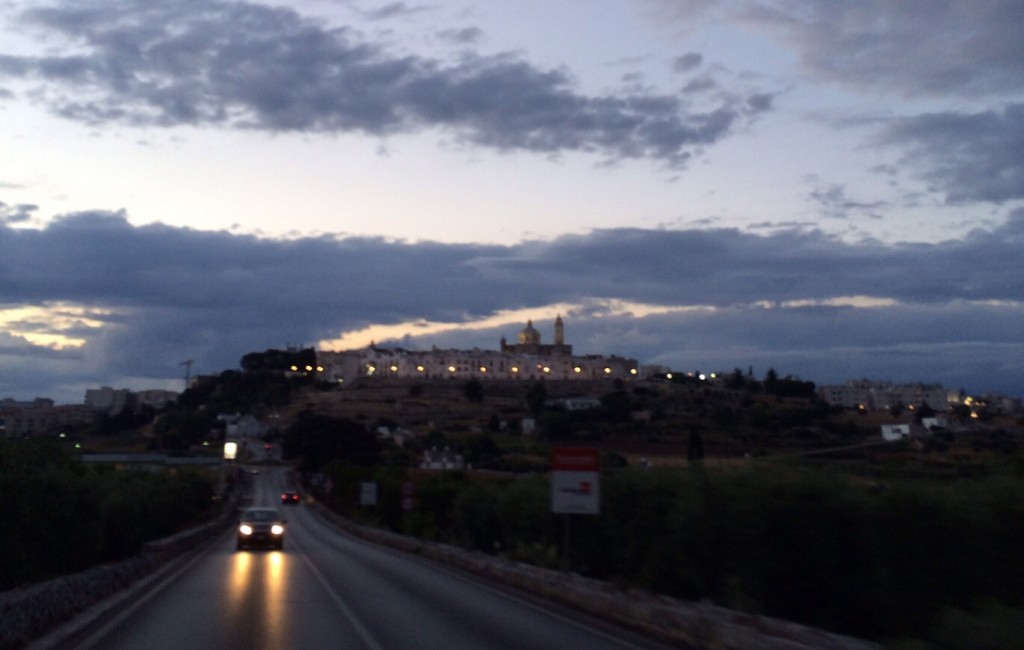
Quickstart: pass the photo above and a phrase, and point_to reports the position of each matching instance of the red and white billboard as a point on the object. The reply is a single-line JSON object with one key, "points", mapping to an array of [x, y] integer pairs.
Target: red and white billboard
{"points": [[575, 485]]}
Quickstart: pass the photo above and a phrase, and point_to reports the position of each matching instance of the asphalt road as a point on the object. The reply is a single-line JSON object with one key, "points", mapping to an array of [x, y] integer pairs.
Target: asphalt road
{"points": [[329, 590]]}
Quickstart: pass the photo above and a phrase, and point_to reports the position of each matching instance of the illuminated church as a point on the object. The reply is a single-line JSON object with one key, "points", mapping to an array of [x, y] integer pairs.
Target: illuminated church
{"points": [[529, 342]]}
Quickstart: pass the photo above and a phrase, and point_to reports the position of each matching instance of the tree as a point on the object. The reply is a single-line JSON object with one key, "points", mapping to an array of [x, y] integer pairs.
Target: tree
{"points": [[536, 397], [617, 405], [736, 380], [279, 360], [695, 448], [922, 411], [474, 391], [317, 439], [480, 450], [179, 428]]}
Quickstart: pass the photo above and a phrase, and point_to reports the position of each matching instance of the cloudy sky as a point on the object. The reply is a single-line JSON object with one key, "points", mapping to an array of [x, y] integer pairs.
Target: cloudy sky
{"points": [[833, 190]]}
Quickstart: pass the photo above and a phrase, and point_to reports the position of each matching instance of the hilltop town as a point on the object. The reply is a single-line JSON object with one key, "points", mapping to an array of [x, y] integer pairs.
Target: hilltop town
{"points": [[540, 391]]}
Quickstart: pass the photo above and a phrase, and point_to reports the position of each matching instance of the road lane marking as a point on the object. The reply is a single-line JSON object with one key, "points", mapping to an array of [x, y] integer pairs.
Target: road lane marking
{"points": [[522, 597], [131, 599], [341, 605], [529, 601]]}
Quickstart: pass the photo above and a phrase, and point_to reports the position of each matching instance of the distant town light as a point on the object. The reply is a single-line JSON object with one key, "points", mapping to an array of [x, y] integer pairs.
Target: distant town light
{"points": [[394, 368], [419, 368], [577, 370], [515, 368], [294, 368], [483, 368], [230, 450], [451, 368], [607, 371], [668, 375], [547, 369], [632, 371], [309, 368]]}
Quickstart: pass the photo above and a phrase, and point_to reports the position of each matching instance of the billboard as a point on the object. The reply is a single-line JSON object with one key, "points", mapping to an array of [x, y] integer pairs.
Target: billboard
{"points": [[575, 484]]}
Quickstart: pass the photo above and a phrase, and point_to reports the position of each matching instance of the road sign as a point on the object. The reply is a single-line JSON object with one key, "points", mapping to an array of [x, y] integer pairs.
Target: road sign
{"points": [[575, 481], [368, 494]]}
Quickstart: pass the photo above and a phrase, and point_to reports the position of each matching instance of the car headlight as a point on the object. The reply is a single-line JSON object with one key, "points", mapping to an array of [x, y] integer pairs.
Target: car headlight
{"points": [[245, 529], [277, 529]]}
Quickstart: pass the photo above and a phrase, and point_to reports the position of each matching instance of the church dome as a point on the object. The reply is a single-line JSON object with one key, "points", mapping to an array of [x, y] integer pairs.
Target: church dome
{"points": [[528, 335]]}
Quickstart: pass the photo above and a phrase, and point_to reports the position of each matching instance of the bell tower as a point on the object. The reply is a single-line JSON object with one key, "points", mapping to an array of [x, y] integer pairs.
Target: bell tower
{"points": [[559, 331]]}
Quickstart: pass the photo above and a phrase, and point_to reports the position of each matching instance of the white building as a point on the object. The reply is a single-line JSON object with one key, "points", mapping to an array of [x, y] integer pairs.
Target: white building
{"points": [[108, 400], [442, 459], [894, 432], [529, 359], [881, 395]]}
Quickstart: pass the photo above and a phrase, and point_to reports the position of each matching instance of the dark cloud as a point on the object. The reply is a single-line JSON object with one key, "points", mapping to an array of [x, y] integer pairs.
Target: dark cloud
{"points": [[916, 47], [20, 213], [701, 84], [835, 204], [155, 295], [957, 345], [969, 157], [687, 62], [395, 10], [243, 65], [465, 36]]}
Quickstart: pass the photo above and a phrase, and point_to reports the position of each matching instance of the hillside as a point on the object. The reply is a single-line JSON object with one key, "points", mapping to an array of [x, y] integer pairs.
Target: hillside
{"points": [[652, 420]]}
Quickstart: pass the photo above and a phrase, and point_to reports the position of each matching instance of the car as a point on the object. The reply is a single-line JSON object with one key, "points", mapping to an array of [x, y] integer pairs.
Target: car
{"points": [[290, 498], [260, 527]]}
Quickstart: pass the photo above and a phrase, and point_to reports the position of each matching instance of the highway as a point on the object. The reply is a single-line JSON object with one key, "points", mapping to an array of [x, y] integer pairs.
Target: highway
{"points": [[327, 589]]}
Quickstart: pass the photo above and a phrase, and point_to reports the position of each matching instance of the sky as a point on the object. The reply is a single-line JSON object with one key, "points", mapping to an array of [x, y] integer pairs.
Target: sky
{"points": [[831, 190]]}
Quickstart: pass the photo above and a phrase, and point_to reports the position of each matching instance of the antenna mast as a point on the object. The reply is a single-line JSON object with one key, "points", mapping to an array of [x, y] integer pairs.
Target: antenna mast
{"points": [[188, 370]]}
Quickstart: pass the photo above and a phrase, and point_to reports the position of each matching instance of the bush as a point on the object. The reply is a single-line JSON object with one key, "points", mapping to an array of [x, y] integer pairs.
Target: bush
{"points": [[884, 561], [62, 517]]}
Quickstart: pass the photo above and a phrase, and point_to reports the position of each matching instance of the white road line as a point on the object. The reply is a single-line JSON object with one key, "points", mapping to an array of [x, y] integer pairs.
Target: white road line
{"points": [[509, 594], [128, 602], [345, 609]]}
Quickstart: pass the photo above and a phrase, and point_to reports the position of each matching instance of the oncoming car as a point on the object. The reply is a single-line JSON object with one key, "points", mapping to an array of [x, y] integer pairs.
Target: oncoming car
{"points": [[260, 527]]}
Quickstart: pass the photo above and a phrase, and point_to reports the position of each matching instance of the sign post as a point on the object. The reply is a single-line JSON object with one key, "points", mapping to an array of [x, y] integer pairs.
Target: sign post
{"points": [[408, 496], [575, 488]]}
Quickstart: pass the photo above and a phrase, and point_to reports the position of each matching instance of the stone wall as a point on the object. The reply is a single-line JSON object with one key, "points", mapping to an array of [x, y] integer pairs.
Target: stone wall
{"points": [[30, 612]]}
